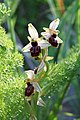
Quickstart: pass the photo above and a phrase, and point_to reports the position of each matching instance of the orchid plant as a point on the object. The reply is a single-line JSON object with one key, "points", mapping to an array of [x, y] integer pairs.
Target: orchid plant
{"points": [[36, 47], [38, 93]]}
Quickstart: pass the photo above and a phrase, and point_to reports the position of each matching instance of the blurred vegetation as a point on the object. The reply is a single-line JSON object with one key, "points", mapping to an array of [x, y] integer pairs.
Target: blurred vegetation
{"points": [[61, 85]]}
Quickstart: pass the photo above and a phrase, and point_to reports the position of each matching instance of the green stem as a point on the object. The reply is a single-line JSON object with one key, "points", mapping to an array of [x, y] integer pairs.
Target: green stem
{"points": [[11, 30]]}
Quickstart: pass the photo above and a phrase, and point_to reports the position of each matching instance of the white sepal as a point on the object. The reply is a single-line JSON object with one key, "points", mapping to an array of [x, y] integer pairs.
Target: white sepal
{"points": [[27, 48], [54, 24], [32, 31], [30, 74]]}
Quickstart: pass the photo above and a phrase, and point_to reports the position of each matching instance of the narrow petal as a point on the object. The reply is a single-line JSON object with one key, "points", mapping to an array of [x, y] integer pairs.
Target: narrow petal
{"points": [[44, 44], [46, 29], [32, 31], [54, 24], [58, 39], [27, 48], [40, 102], [29, 38], [36, 86], [30, 74], [46, 35], [56, 32]]}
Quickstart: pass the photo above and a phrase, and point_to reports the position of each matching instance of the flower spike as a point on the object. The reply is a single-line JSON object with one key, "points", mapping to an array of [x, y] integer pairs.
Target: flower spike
{"points": [[35, 47]]}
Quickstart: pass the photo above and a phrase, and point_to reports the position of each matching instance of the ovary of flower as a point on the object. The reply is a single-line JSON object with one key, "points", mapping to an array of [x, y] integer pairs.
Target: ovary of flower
{"points": [[51, 34], [36, 43]]}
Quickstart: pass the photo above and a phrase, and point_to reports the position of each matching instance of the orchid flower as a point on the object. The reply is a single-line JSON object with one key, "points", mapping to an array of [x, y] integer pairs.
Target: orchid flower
{"points": [[51, 34], [36, 43], [32, 85]]}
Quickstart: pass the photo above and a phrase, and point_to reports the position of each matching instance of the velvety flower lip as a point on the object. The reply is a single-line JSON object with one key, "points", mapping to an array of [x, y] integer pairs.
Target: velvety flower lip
{"points": [[29, 90], [51, 32], [34, 38]]}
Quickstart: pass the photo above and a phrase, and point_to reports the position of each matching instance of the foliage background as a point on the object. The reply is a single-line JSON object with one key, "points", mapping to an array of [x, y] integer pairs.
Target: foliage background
{"points": [[63, 81]]}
